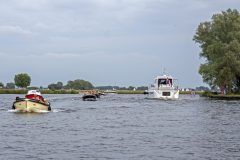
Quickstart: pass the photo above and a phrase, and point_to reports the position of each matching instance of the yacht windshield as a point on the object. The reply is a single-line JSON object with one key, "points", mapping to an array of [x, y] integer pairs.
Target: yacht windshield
{"points": [[164, 81]]}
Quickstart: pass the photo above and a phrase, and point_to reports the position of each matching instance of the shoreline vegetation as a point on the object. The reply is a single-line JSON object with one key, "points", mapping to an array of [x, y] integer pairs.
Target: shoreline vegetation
{"points": [[65, 91], [43, 91], [215, 95], [211, 95]]}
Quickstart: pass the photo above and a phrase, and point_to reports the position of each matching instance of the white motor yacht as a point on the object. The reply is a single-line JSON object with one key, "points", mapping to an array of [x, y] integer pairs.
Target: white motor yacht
{"points": [[164, 88]]}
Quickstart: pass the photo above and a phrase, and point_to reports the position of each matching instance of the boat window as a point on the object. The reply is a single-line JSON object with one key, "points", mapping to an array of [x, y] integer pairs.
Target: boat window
{"points": [[164, 81], [166, 93]]}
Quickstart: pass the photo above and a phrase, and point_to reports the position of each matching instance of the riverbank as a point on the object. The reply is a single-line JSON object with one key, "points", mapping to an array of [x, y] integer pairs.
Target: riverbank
{"points": [[44, 91], [225, 97], [220, 96], [142, 92], [129, 91], [47, 91]]}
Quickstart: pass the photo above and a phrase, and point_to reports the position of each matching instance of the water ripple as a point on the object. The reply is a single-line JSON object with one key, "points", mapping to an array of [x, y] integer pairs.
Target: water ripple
{"points": [[122, 127]]}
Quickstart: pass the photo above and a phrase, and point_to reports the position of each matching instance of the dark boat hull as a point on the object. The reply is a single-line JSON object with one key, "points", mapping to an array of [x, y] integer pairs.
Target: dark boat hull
{"points": [[89, 97]]}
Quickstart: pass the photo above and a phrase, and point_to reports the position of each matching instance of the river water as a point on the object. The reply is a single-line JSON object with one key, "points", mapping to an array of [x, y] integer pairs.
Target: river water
{"points": [[124, 127]]}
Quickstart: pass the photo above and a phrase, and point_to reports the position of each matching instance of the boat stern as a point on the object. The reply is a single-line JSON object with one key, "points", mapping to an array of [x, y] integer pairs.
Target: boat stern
{"points": [[167, 95], [26, 105]]}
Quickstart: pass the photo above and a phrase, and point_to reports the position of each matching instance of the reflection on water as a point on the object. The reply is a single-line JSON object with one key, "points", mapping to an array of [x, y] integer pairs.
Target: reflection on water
{"points": [[122, 127]]}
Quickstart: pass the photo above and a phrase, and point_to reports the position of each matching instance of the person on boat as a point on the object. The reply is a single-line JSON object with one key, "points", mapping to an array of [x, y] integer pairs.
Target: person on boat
{"points": [[169, 82], [36, 97]]}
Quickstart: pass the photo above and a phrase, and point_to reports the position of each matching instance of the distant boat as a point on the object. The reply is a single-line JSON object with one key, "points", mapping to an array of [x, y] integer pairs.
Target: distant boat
{"points": [[89, 97], [164, 88], [33, 102]]}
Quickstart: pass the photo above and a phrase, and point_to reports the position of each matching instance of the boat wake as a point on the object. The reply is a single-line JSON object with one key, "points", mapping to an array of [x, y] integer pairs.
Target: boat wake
{"points": [[12, 110], [16, 111], [39, 111], [161, 99], [58, 110]]}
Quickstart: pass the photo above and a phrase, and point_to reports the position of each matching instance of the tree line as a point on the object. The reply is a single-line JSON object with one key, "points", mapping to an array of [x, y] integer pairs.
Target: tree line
{"points": [[121, 88], [77, 84], [23, 80]]}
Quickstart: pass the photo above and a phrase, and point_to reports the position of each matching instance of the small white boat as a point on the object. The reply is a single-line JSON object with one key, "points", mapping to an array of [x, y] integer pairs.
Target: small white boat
{"points": [[33, 102], [164, 88]]}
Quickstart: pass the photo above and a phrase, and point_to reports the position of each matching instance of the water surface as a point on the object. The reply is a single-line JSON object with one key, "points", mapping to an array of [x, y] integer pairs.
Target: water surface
{"points": [[122, 127]]}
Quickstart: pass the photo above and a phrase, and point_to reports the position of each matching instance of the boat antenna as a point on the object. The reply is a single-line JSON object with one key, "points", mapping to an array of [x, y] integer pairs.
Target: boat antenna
{"points": [[164, 71]]}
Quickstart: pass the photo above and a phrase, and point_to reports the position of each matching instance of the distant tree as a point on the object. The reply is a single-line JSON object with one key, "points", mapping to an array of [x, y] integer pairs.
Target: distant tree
{"points": [[131, 88], [1, 85], [57, 86], [52, 86], [32, 88], [69, 85], [79, 84], [106, 87], [202, 88], [121, 88], [142, 88], [220, 43], [10, 85], [60, 85], [22, 80]]}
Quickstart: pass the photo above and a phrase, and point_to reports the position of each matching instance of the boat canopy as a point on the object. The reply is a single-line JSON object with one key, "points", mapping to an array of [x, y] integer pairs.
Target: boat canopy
{"points": [[164, 77], [34, 92]]}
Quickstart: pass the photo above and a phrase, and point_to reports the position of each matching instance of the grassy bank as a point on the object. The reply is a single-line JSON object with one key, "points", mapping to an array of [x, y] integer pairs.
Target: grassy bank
{"points": [[24, 91], [190, 92], [142, 91], [130, 92], [47, 91], [215, 95], [59, 91], [13, 91]]}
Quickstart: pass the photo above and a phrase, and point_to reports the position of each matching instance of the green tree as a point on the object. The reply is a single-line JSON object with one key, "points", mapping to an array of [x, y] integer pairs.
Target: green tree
{"points": [[219, 40], [52, 86], [142, 88], [57, 86], [10, 85], [1, 85], [22, 80], [79, 84], [131, 88]]}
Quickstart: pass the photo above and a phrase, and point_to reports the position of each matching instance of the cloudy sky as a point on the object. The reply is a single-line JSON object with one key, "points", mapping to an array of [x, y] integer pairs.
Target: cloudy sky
{"points": [[107, 42]]}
